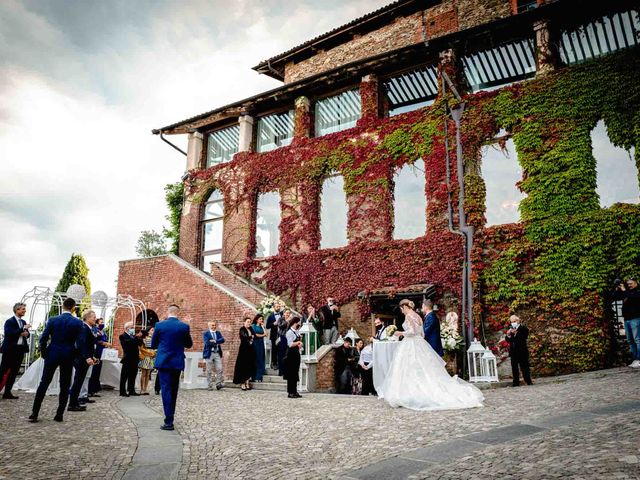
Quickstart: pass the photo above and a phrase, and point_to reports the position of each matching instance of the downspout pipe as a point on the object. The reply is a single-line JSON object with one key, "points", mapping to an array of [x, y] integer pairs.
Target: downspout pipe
{"points": [[156, 132]]}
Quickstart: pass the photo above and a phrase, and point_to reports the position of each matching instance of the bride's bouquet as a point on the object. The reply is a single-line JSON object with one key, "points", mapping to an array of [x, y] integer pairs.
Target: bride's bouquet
{"points": [[389, 332]]}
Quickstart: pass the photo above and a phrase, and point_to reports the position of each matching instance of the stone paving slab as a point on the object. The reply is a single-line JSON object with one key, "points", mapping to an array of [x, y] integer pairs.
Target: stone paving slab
{"points": [[624, 407], [562, 420], [396, 468], [503, 434], [444, 451]]}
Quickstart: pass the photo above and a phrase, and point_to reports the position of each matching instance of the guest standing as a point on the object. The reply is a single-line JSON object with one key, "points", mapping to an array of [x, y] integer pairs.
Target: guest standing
{"points": [[170, 338], [257, 325], [14, 346], [130, 342], [329, 314], [343, 363], [102, 342], [84, 358], [212, 340], [246, 360], [518, 350], [294, 345], [313, 318], [283, 327], [272, 324], [57, 347], [431, 327], [356, 376], [630, 296], [365, 365], [147, 356]]}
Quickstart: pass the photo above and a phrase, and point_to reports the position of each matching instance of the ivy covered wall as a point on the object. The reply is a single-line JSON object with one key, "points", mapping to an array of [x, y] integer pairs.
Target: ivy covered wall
{"points": [[553, 268]]}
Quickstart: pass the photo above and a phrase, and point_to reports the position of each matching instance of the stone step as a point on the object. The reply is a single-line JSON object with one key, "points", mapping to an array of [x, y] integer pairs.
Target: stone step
{"points": [[273, 379], [269, 386]]}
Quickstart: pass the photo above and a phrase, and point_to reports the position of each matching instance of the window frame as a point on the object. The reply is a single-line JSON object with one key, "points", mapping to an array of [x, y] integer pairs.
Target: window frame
{"points": [[206, 221], [331, 95], [208, 135]]}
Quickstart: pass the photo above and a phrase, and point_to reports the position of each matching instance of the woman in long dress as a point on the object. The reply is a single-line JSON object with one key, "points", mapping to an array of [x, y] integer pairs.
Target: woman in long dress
{"points": [[417, 378], [246, 360], [257, 325]]}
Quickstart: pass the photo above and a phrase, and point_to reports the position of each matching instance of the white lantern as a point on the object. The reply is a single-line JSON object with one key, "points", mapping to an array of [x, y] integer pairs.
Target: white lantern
{"points": [[353, 335], [77, 292], [489, 366], [309, 338], [474, 359], [99, 298]]}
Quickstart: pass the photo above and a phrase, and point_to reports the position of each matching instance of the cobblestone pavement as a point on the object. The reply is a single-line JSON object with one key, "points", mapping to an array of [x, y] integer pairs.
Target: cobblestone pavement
{"points": [[232, 434], [236, 434], [98, 443]]}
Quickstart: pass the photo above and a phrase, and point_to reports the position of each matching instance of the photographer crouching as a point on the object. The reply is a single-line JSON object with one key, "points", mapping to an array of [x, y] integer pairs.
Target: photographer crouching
{"points": [[630, 295]]}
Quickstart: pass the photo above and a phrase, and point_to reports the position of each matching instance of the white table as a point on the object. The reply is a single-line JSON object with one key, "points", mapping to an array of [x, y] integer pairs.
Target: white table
{"points": [[383, 353]]}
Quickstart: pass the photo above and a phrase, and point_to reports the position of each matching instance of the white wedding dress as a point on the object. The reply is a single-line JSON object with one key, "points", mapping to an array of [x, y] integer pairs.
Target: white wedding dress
{"points": [[417, 378]]}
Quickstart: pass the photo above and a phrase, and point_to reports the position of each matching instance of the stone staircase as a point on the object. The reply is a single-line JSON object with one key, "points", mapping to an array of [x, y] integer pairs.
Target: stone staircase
{"points": [[271, 382]]}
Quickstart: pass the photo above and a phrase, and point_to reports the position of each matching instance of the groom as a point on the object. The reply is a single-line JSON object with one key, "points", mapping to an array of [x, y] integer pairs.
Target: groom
{"points": [[431, 327]]}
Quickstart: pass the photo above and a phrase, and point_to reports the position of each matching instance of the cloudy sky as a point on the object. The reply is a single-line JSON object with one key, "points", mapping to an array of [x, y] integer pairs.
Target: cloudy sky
{"points": [[83, 83]]}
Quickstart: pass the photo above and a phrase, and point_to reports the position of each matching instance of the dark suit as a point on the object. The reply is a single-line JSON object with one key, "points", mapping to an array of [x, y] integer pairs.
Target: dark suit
{"points": [[519, 353], [345, 360], [85, 349], [272, 322], [130, 358], [12, 353], [431, 329], [57, 346], [170, 338]]}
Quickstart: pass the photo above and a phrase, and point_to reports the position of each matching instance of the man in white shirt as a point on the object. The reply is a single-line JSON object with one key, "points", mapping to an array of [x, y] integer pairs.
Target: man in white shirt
{"points": [[365, 365]]}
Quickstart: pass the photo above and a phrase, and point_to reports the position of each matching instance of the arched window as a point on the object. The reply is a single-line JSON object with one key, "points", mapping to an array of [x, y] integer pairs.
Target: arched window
{"points": [[410, 202], [268, 224], [616, 170], [333, 213], [501, 172], [212, 223]]}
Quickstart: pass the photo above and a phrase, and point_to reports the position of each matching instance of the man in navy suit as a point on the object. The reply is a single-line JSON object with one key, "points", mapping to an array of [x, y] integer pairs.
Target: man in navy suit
{"points": [[431, 327], [170, 338], [272, 325], [85, 357], [14, 346], [212, 354], [57, 347]]}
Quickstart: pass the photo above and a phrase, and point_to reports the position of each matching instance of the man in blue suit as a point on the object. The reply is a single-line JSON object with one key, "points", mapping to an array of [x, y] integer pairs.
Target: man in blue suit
{"points": [[212, 354], [85, 357], [14, 346], [57, 347], [431, 327], [170, 338]]}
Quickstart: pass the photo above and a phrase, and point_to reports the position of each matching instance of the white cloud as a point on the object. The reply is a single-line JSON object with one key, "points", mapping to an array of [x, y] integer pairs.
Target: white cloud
{"points": [[82, 86]]}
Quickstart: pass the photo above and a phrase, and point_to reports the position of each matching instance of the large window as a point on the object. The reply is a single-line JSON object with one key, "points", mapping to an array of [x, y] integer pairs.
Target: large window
{"points": [[275, 131], [268, 224], [411, 90], [501, 172], [333, 213], [410, 202], [222, 145], [337, 113], [212, 223], [616, 171]]}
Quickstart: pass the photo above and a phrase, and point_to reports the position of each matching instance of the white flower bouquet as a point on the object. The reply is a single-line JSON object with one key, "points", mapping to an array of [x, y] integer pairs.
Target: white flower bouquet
{"points": [[266, 306], [451, 338], [390, 331]]}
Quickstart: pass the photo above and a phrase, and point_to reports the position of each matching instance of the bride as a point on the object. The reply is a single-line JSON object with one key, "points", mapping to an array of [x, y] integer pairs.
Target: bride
{"points": [[417, 378]]}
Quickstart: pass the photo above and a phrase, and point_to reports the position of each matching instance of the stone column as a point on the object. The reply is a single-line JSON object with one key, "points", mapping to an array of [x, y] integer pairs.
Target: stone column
{"points": [[369, 97], [302, 118], [547, 57], [194, 150], [246, 133]]}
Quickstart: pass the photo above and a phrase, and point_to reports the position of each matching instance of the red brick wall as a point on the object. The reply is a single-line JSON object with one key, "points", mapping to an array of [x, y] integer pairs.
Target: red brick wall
{"points": [[325, 379], [161, 281]]}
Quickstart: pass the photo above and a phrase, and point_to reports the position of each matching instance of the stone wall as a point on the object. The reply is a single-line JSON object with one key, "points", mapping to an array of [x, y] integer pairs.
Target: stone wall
{"points": [[447, 17]]}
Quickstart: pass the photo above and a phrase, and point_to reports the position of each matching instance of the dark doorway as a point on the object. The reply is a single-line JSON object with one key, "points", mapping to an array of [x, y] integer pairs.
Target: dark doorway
{"points": [[146, 319], [384, 303]]}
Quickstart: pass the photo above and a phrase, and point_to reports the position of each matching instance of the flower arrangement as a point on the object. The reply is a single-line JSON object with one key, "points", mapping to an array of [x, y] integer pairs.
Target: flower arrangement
{"points": [[266, 306], [390, 330], [451, 338]]}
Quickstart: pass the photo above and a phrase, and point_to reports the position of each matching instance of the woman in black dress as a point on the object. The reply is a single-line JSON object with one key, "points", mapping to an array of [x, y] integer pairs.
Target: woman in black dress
{"points": [[294, 344], [246, 360]]}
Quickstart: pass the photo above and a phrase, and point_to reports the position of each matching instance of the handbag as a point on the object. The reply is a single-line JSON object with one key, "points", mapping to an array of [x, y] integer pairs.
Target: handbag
{"points": [[109, 355]]}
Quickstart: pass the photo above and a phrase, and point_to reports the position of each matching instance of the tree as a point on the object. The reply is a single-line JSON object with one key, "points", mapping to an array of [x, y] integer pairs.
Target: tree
{"points": [[75, 273], [174, 196], [151, 244]]}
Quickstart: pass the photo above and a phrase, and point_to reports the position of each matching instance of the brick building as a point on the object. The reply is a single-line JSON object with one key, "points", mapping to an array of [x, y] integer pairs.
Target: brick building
{"points": [[343, 180]]}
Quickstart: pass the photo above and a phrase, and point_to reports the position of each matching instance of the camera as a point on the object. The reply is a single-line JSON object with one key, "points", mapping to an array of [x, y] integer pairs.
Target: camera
{"points": [[617, 282]]}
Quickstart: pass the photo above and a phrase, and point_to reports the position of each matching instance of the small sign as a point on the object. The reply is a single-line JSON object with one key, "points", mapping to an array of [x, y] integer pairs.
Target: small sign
{"points": [[109, 355]]}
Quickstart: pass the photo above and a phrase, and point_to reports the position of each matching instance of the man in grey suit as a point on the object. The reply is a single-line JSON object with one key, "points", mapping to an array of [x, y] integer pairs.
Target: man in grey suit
{"points": [[14, 346]]}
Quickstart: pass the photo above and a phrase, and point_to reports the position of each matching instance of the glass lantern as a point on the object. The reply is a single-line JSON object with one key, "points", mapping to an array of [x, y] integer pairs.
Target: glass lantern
{"points": [[474, 359], [489, 366], [353, 335], [309, 341]]}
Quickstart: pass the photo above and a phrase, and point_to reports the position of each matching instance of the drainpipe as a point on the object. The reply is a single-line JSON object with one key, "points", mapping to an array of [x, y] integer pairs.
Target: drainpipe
{"points": [[156, 132]]}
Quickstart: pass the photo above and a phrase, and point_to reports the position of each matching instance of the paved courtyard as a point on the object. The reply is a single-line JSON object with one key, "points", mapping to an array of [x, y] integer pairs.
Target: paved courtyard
{"points": [[578, 426]]}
